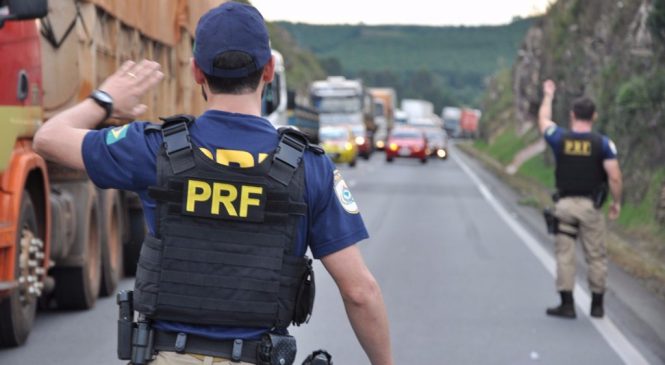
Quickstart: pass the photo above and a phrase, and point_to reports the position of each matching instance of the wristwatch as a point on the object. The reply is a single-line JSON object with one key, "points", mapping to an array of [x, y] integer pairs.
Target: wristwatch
{"points": [[103, 99]]}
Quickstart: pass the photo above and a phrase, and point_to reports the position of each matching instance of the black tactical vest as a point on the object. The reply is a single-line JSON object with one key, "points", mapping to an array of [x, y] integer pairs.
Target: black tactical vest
{"points": [[223, 253], [579, 164]]}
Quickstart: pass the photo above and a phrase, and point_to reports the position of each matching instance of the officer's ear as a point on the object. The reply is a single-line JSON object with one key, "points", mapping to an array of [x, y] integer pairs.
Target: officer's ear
{"points": [[199, 77], [269, 71], [595, 116]]}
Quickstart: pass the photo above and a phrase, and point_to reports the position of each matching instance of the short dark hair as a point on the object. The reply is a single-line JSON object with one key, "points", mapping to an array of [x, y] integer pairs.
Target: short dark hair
{"points": [[584, 108], [242, 85]]}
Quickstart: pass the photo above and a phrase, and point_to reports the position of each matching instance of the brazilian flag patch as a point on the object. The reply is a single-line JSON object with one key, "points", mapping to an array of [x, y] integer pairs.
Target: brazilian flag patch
{"points": [[116, 134]]}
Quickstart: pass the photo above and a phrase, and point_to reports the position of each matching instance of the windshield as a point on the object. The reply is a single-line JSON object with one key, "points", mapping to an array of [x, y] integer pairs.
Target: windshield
{"points": [[334, 135], [378, 110], [335, 104], [358, 130], [406, 134]]}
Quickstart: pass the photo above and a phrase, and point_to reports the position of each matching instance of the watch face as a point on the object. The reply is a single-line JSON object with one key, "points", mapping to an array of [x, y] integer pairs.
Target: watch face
{"points": [[103, 97]]}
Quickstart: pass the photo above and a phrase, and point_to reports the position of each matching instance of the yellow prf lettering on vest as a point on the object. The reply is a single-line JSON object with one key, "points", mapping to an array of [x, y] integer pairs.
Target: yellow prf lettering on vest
{"points": [[224, 200], [246, 200], [242, 159], [575, 147], [197, 191], [224, 194]]}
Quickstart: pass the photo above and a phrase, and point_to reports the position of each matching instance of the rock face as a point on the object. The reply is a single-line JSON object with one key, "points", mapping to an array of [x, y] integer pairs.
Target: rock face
{"points": [[605, 50]]}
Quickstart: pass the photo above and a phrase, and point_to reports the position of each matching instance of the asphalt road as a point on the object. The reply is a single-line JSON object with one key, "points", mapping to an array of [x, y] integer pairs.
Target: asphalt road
{"points": [[465, 273]]}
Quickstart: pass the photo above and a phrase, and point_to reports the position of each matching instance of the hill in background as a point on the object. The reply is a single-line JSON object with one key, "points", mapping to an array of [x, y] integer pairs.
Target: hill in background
{"points": [[446, 65]]}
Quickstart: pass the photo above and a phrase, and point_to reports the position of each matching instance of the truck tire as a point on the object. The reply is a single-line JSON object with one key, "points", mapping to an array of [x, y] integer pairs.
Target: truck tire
{"points": [[77, 287], [17, 312], [132, 247], [111, 240]]}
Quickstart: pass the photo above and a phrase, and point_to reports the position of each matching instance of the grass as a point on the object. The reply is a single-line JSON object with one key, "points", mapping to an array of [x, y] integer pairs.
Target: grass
{"points": [[504, 147], [538, 170], [641, 217]]}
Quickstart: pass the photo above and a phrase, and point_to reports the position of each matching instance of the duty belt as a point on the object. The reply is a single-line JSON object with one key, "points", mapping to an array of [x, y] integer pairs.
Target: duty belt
{"points": [[236, 350]]}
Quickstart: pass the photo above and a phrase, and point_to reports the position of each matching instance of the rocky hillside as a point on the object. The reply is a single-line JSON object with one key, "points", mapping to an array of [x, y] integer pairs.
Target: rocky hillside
{"points": [[612, 51]]}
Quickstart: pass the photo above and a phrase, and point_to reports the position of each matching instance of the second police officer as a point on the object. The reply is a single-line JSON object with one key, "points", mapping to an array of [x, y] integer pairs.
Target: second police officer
{"points": [[231, 204], [586, 167]]}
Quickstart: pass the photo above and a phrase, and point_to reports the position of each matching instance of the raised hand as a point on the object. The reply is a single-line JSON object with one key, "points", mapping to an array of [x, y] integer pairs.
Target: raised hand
{"points": [[549, 88], [129, 84]]}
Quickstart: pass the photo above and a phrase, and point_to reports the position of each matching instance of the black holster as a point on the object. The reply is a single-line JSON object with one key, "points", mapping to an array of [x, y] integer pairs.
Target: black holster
{"points": [[551, 221], [600, 196], [305, 297], [135, 339], [276, 350]]}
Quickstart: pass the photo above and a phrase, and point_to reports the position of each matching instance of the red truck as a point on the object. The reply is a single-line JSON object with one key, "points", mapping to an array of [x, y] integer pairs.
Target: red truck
{"points": [[469, 122]]}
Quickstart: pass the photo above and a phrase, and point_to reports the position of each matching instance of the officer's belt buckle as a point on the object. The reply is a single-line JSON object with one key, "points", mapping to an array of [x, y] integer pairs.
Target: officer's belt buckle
{"points": [[290, 151], [176, 138]]}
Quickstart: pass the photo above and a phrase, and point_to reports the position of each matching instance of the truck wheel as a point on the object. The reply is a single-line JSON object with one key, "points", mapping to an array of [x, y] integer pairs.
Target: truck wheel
{"points": [[111, 240], [353, 162], [423, 160], [17, 312], [132, 247], [77, 287]]}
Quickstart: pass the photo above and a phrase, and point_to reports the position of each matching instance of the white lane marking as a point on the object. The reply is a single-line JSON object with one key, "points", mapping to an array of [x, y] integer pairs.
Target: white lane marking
{"points": [[626, 351]]}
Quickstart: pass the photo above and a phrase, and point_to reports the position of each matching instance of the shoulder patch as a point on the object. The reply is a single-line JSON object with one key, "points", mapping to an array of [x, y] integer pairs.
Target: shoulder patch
{"points": [[116, 134], [551, 129], [344, 194], [613, 147]]}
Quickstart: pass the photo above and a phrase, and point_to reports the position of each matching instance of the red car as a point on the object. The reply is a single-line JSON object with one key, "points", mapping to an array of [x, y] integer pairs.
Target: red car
{"points": [[407, 142]]}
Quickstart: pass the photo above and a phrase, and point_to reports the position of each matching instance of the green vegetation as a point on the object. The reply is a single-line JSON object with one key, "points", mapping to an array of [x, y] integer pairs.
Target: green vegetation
{"points": [[447, 65], [505, 146], [657, 19], [641, 216], [301, 65], [537, 169]]}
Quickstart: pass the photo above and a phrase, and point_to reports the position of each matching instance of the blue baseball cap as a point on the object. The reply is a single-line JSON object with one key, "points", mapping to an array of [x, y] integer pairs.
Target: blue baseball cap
{"points": [[231, 27]]}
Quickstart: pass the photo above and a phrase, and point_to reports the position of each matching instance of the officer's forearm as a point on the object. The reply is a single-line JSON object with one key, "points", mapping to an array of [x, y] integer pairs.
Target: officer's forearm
{"points": [[545, 113], [369, 320], [60, 138], [616, 187]]}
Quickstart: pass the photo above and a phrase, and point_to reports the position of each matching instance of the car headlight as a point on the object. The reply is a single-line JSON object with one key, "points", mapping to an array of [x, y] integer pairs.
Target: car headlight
{"points": [[380, 144], [394, 146], [348, 146], [360, 140], [441, 153]]}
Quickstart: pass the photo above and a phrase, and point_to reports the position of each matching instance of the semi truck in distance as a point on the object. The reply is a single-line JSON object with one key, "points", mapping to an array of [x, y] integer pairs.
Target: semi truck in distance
{"points": [[385, 100], [451, 120], [417, 109], [342, 102], [63, 241], [461, 122], [469, 120]]}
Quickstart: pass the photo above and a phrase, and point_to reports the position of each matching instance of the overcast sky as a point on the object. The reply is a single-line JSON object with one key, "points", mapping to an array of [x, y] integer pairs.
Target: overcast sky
{"points": [[421, 12]]}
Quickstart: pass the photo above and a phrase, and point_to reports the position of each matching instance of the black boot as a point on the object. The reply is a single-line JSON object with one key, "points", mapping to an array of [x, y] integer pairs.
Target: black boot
{"points": [[567, 307], [597, 309]]}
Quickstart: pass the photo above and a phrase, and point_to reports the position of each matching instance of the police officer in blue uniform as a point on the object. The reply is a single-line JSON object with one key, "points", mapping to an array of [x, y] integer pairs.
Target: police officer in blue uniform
{"points": [[586, 168], [231, 204]]}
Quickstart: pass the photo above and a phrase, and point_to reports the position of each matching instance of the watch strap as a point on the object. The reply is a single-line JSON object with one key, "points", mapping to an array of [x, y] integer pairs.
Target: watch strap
{"points": [[106, 105]]}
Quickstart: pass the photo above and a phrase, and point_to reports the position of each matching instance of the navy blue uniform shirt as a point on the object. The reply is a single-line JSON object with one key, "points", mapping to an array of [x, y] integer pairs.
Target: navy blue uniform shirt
{"points": [[125, 158], [554, 137]]}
